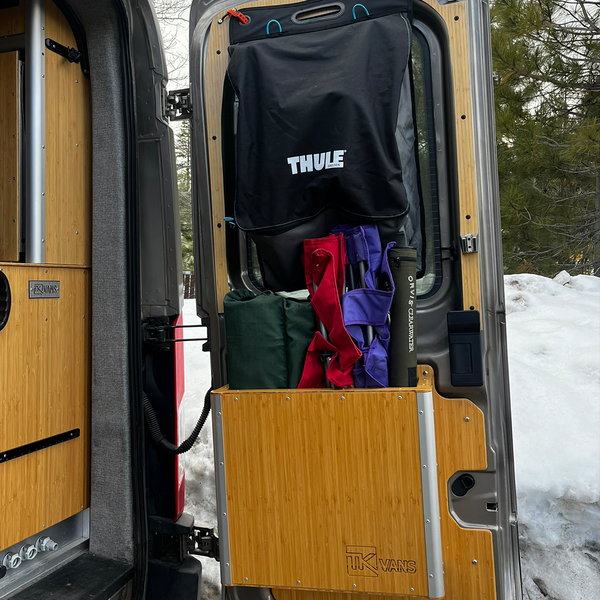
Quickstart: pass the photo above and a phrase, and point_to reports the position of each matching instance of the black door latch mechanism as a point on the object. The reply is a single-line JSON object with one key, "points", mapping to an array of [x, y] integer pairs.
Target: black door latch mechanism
{"points": [[71, 54]]}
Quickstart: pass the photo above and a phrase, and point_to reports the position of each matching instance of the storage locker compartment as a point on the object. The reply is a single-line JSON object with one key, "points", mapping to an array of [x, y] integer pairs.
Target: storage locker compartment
{"points": [[341, 490], [44, 392]]}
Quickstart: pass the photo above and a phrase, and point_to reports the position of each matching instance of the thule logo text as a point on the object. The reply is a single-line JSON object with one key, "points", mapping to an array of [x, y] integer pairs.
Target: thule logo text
{"points": [[307, 163]]}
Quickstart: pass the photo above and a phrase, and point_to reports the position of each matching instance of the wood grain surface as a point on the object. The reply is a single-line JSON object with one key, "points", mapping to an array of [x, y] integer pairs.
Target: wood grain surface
{"points": [[68, 152], [45, 384], [12, 20], [311, 477], [9, 156]]}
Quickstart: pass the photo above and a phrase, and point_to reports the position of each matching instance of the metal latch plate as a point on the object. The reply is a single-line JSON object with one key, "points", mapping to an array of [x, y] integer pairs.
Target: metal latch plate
{"points": [[469, 243], [177, 105]]}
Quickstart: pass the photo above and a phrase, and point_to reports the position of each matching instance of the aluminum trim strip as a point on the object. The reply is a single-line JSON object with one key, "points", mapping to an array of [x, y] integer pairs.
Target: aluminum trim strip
{"points": [[35, 109], [431, 499], [222, 516], [71, 535]]}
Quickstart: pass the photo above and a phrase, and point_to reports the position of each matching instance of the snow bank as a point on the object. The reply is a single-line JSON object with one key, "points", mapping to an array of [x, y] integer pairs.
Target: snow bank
{"points": [[199, 468], [554, 353]]}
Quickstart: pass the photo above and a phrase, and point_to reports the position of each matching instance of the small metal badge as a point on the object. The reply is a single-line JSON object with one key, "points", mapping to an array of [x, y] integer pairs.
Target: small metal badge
{"points": [[44, 289]]}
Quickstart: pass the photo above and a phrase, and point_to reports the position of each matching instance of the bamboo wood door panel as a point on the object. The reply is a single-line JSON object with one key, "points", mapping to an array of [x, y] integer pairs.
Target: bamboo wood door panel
{"points": [[9, 156], [460, 447], [324, 490], [45, 358], [68, 152]]}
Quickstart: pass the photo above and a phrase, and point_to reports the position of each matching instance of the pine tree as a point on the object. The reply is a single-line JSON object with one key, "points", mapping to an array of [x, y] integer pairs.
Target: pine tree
{"points": [[546, 57]]}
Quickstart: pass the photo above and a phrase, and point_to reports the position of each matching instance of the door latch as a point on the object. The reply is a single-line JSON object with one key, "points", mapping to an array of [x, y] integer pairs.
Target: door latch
{"points": [[177, 105], [469, 243]]}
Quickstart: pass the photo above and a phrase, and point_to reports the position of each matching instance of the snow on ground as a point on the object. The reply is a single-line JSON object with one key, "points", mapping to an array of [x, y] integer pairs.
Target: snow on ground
{"points": [[199, 469], [554, 353]]}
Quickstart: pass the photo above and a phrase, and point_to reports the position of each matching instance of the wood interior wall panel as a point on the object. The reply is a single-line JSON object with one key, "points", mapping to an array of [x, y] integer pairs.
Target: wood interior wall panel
{"points": [[9, 156], [12, 20], [44, 390], [311, 477], [43, 489], [68, 152], [216, 66]]}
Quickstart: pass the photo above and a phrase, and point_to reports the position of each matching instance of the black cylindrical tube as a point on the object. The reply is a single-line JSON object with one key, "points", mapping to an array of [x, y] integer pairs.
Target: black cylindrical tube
{"points": [[403, 315]]}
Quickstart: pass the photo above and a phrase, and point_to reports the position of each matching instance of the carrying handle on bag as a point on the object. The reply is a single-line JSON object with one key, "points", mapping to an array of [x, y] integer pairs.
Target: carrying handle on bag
{"points": [[325, 12], [278, 24], [363, 7]]}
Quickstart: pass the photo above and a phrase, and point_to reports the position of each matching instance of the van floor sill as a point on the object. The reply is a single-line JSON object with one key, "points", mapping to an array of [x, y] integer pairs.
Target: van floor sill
{"points": [[87, 577]]}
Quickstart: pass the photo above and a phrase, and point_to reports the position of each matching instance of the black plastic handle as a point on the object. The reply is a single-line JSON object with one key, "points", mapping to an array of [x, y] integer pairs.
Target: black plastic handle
{"points": [[4, 300]]}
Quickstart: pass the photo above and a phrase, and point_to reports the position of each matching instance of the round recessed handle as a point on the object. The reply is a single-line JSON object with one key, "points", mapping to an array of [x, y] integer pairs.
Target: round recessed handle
{"points": [[463, 484], [4, 300]]}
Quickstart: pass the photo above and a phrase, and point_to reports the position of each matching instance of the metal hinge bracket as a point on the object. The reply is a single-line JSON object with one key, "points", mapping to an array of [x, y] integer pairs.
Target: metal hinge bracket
{"points": [[177, 105], [469, 243], [204, 542]]}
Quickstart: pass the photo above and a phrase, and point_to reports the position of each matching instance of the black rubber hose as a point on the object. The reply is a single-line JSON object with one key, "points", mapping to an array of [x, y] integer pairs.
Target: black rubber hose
{"points": [[158, 436]]}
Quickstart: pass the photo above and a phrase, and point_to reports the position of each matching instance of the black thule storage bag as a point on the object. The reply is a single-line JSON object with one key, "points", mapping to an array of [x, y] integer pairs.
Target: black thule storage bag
{"points": [[319, 86]]}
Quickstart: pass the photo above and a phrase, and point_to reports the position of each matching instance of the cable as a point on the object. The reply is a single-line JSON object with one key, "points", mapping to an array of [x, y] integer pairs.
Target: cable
{"points": [[157, 434]]}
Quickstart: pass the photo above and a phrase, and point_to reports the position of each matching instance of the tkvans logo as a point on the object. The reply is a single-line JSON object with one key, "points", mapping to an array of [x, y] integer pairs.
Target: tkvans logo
{"points": [[362, 561], [44, 289], [307, 163]]}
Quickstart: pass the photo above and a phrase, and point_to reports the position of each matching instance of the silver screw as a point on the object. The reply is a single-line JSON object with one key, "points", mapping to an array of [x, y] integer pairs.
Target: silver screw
{"points": [[474, 562], [412, 589], [44, 526], [399, 397], [420, 412], [76, 145], [424, 466], [430, 575], [245, 579], [353, 585], [288, 398], [427, 521], [467, 419], [235, 399], [298, 582], [425, 372], [343, 398]]}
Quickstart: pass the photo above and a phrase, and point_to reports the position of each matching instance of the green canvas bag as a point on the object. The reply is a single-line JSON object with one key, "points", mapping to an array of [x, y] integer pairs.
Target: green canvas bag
{"points": [[267, 339]]}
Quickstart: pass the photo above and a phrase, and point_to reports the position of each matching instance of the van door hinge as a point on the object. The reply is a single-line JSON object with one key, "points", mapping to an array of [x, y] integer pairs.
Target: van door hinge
{"points": [[177, 104], [469, 243], [204, 542]]}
